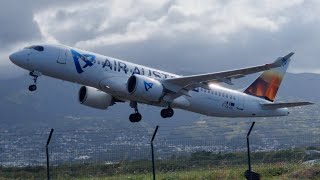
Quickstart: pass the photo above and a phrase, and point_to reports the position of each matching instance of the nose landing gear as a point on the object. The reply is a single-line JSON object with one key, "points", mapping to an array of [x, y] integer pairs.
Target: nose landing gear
{"points": [[35, 76]]}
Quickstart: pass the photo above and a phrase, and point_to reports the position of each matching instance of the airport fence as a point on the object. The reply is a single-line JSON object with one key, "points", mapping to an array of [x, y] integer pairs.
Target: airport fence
{"points": [[126, 154]]}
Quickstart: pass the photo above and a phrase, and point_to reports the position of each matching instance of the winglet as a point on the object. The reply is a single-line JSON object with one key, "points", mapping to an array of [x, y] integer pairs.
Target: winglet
{"points": [[282, 60], [288, 56]]}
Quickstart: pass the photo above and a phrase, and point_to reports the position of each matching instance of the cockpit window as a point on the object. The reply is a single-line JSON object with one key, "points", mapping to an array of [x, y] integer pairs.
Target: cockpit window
{"points": [[37, 48]]}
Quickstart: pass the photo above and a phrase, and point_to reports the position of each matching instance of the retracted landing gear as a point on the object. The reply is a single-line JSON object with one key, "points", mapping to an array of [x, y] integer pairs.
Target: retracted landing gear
{"points": [[167, 113], [135, 117], [35, 76]]}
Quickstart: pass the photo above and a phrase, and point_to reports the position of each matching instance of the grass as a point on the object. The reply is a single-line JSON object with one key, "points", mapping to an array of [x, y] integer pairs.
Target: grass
{"points": [[285, 171], [284, 164], [267, 171]]}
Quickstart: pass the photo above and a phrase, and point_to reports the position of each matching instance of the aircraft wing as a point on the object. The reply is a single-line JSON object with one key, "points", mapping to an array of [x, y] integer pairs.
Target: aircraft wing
{"points": [[190, 82], [284, 105]]}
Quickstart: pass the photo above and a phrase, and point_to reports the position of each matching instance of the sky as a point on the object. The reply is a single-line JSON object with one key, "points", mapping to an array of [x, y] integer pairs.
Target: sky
{"points": [[182, 36]]}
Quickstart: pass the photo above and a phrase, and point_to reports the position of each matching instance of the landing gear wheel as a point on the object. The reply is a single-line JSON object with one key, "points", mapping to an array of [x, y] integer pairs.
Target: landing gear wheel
{"points": [[131, 118], [35, 76], [138, 117], [167, 113], [135, 117], [32, 87], [170, 112], [163, 113]]}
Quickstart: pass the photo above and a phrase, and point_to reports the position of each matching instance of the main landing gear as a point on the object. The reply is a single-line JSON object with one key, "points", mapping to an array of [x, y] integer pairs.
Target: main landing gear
{"points": [[167, 113], [35, 76], [135, 117]]}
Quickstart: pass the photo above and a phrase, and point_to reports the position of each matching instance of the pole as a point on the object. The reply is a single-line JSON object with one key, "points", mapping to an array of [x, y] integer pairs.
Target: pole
{"points": [[152, 153], [47, 154], [248, 147]]}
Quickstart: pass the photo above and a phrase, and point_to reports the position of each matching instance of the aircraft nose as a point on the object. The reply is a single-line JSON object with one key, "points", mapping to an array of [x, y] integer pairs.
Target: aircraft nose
{"points": [[15, 57]]}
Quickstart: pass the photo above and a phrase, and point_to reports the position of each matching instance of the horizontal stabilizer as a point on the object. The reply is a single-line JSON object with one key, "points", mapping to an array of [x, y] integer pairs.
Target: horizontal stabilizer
{"points": [[284, 105]]}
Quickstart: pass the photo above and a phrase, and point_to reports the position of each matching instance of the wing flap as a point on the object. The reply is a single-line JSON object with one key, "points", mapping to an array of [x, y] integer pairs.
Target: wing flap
{"points": [[284, 105]]}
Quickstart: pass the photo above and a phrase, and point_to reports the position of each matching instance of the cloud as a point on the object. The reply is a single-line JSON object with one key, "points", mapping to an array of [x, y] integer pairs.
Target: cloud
{"points": [[17, 24], [215, 34], [89, 25]]}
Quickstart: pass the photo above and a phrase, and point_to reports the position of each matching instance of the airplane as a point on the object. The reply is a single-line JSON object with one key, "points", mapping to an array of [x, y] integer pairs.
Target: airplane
{"points": [[107, 81]]}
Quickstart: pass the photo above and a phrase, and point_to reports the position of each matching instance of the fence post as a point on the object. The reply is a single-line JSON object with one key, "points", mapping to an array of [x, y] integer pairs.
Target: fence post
{"points": [[152, 153], [248, 148], [47, 154], [249, 174]]}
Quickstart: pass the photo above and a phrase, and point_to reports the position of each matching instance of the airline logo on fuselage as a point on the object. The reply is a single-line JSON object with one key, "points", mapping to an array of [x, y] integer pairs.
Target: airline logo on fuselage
{"points": [[88, 59]]}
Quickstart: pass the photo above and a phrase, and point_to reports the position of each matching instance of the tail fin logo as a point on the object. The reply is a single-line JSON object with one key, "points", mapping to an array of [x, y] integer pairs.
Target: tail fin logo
{"points": [[267, 85], [147, 85], [88, 59]]}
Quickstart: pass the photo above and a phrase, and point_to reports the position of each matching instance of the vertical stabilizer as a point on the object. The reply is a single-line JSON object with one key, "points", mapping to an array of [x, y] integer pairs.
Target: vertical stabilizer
{"points": [[267, 85]]}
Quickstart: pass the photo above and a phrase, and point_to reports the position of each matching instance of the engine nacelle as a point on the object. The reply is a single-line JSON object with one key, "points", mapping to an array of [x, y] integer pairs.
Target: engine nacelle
{"points": [[95, 98], [145, 88]]}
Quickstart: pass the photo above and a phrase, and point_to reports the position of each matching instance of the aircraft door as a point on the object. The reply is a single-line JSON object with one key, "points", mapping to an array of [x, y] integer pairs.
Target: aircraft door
{"points": [[63, 55]]}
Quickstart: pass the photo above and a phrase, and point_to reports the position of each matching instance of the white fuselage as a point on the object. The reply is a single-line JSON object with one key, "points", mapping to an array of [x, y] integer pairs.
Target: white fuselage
{"points": [[111, 75]]}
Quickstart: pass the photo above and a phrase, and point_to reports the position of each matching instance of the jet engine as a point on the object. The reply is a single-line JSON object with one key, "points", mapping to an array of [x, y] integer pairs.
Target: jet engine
{"points": [[95, 98], [145, 88]]}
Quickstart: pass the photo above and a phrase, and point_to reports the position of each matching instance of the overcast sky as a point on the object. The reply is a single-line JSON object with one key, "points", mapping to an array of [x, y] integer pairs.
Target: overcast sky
{"points": [[177, 36]]}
